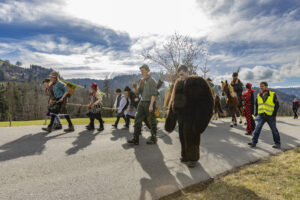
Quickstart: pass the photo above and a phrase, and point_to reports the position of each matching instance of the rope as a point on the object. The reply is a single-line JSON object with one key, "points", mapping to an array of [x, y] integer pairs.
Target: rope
{"points": [[74, 104]]}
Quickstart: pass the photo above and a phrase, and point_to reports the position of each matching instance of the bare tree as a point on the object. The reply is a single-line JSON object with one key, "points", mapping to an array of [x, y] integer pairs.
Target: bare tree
{"points": [[204, 69], [18, 63], [178, 50]]}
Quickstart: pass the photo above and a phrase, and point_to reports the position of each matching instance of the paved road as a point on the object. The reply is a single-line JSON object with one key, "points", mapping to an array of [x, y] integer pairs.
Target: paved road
{"points": [[86, 165]]}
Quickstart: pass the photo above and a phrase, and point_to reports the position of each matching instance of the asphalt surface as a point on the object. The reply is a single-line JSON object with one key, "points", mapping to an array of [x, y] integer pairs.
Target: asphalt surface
{"points": [[92, 165]]}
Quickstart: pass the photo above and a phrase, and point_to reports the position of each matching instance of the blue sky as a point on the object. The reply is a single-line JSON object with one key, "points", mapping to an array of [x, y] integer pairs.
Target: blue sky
{"points": [[98, 38]]}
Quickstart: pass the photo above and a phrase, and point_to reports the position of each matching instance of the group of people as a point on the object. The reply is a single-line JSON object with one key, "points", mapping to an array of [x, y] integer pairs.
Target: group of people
{"points": [[266, 108], [139, 104]]}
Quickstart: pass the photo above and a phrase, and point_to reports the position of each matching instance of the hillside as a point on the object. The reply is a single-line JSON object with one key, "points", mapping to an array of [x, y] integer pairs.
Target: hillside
{"points": [[10, 72]]}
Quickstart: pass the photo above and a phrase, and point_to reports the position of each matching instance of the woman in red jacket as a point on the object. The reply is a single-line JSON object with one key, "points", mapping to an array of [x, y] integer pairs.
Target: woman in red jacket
{"points": [[248, 99]]}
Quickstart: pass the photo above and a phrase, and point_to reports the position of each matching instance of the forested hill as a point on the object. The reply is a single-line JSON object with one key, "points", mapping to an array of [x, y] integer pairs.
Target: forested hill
{"points": [[10, 72], [117, 82]]}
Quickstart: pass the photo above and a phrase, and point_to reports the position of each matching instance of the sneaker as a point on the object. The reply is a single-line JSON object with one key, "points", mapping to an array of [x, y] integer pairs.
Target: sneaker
{"points": [[152, 141], [70, 129], [100, 129], [276, 146], [48, 129], [133, 141], [90, 128], [114, 125], [125, 127], [252, 144]]}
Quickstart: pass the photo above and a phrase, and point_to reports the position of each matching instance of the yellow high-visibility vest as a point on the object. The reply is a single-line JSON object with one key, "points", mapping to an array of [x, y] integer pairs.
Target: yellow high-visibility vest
{"points": [[268, 106]]}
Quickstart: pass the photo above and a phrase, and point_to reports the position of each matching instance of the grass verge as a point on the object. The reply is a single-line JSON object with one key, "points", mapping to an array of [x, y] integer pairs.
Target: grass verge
{"points": [[276, 178]]}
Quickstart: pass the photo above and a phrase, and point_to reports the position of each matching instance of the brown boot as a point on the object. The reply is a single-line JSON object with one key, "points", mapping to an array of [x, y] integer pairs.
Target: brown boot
{"points": [[48, 129], [70, 129]]}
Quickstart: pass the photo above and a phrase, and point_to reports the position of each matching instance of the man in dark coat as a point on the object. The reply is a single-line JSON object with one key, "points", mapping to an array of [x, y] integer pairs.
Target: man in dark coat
{"points": [[237, 85], [191, 105]]}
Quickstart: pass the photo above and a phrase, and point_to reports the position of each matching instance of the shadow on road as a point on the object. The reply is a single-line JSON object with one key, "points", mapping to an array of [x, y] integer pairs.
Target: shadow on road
{"points": [[27, 145], [84, 139]]}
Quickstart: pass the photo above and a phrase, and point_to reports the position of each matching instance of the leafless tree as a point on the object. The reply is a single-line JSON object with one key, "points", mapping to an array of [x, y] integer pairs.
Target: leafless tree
{"points": [[178, 50], [204, 69]]}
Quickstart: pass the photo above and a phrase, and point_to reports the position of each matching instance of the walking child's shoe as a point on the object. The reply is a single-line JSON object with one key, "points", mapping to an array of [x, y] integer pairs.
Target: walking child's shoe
{"points": [[48, 129], [70, 129]]}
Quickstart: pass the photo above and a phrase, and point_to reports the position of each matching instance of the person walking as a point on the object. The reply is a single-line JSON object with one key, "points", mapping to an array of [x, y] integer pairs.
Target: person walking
{"points": [[266, 110], [49, 90], [295, 107], [120, 97], [59, 105], [147, 88], [95, 108], [248, 101]]}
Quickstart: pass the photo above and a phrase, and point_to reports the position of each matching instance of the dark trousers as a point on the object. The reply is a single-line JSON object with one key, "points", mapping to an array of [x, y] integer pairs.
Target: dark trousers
{"points": [[189, 140], [261, 120], [118, 118], [143, 114], [295, 113], [128, 117], [53, 116], [99, 118]]}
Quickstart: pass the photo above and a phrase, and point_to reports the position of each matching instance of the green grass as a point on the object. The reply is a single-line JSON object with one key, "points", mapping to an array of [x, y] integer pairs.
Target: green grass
{"points": [[277, 178], [76, 121]]}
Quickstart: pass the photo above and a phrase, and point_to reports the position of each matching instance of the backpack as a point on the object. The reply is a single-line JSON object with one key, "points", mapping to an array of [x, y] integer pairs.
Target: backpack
{"points": [[71, 87]]}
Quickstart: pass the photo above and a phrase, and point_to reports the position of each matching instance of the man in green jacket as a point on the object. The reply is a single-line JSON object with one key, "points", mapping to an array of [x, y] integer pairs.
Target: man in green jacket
{"points": [[147, 88]]}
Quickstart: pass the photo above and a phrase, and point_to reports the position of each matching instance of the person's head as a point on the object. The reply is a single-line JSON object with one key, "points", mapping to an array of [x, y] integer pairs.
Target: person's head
{"points": [[208, 80], [94, 87], [235, 75], [249, 86], [296, 99], [54, 76], [183, 72], [144, 70], [118, 91], [127, 90], [263, 86], [46, 82]]}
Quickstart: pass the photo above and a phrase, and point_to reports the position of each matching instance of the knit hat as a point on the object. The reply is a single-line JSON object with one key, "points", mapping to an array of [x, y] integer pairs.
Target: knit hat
{"points": [[146, 67], [235, 74], [94, 85], [249, 85]]}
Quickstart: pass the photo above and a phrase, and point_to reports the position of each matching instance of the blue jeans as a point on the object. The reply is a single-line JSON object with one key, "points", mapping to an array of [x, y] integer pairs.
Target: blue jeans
{"points": [[261, 119], [57, 120]]}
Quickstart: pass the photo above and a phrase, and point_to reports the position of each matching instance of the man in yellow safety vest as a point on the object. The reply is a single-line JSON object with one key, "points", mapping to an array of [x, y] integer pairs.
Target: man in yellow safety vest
{"points": [[266, 110]]}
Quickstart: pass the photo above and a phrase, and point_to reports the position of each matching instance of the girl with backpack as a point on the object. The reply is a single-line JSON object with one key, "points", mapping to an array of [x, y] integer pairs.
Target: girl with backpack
{"points": [[59, 105]]}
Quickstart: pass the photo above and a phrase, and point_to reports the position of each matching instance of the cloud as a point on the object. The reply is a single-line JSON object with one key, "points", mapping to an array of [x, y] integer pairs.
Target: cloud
{"points": [[291, 69]]}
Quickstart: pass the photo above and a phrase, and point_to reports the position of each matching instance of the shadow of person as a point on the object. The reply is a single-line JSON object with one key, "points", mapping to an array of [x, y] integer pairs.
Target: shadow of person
{"points": [[27, 145], [160, 180], [164, 137], [198, 173], [119, 134], [84, 139]]}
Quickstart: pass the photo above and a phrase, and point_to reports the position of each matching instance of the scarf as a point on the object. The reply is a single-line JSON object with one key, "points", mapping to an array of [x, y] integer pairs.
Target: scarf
{"points": [[143, 80]]}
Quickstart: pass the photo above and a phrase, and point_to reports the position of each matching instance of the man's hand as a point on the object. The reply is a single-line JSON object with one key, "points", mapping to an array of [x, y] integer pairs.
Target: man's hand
{"points": [[151, 108], [61, 99], [134, 85]]}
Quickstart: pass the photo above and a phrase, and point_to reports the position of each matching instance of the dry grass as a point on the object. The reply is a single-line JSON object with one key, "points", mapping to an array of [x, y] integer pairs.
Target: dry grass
{"points": [[277, 178]]}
